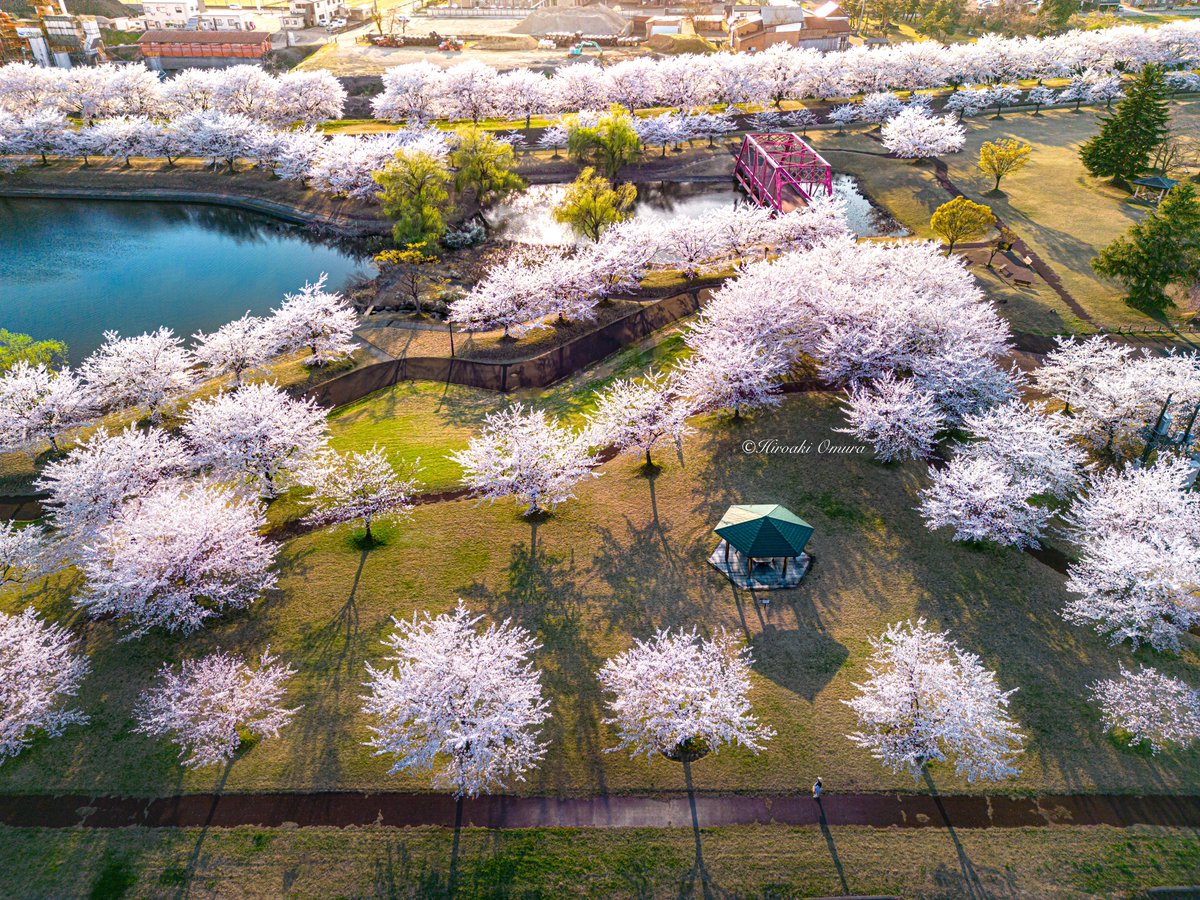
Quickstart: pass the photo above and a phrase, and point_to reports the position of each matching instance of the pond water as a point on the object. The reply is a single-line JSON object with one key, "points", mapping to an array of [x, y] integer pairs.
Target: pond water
{"points": [[73, 269], [527, 218]]}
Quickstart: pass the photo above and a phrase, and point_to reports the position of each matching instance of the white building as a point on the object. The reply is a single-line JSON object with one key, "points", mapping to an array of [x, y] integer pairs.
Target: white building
{"points": [[227, 20], [314, 12], [160, 14]]}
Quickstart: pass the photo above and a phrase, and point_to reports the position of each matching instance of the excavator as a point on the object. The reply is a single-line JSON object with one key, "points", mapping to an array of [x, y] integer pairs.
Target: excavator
{"points": [[578, 49]]}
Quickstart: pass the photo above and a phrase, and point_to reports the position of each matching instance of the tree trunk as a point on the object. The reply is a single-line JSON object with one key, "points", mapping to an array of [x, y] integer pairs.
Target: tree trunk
{"points": [[997, 187]]}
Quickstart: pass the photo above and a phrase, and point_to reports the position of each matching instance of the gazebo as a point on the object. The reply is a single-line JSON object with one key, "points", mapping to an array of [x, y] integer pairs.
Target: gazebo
{"points": [[762, 546], [1148, 183]]}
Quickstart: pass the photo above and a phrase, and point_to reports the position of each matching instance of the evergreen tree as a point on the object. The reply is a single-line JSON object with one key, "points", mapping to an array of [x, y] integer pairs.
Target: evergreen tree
{"points": [[1161, 250], [1122, 149]]}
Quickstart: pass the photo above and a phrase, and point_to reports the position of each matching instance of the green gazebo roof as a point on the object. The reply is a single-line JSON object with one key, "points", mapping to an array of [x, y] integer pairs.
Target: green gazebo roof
{"points": [[1156, 181], [764, 530]]}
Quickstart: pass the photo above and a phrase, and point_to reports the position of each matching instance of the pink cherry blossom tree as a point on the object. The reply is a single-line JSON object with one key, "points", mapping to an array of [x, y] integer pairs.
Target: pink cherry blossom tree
{"points": [[895, 417], [526, 455], [1149, 707], [459, 701], [926, 700], [38, 404], [208, 705], [41, 666], [235, 348], [256, 436], [314, 318], [87, 489], [359, 486], [682, 696], [634, 416], [151, 370], [177, 557]]}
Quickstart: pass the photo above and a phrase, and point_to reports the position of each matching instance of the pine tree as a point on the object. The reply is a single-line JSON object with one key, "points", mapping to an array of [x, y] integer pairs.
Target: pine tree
{"points": [[1162, 249], [1122, 149]]}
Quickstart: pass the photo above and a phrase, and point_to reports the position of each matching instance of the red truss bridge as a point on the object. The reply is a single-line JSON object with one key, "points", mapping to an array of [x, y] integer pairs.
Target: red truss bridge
{"points": [[780, 171]]}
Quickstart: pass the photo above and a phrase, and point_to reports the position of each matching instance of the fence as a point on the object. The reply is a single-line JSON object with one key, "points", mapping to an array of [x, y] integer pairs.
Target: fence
{"points": [[534, 372], [482, 12]]}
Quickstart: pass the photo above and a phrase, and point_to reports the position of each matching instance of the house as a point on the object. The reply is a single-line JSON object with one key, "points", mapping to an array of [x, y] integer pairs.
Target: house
{"points": [[163, 14], [226, 20], [314, 12], [169, 50], [824, 28]]}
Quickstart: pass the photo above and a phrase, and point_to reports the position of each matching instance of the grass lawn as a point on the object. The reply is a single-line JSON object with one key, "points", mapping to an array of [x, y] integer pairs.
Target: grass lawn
{"points": [[625, 557], [643, 863], [1053, 204]]}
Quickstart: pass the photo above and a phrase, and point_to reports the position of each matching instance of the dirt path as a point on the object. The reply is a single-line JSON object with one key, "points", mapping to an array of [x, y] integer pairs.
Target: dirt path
{"points": [[344, 809]]}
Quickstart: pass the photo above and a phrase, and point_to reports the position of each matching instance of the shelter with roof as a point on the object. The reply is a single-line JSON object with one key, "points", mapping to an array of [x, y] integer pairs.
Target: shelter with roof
{"points": [[1147, 184], [762, 546]]}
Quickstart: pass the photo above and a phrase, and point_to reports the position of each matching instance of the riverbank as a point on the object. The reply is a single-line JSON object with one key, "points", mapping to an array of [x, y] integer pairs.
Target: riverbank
{"points": [[191, 181]]}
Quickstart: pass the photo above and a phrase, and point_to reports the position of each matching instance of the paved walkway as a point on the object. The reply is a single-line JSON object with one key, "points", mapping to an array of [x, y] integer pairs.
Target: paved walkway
{"points": [[343, 809]]}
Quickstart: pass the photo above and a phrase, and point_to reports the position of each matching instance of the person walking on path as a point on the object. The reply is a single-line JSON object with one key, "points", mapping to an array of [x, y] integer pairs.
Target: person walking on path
{"points": [[817, 790]]}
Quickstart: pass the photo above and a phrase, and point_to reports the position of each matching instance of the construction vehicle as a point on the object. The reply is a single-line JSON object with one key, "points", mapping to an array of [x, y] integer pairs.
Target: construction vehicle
{"points": [[578, 49]]}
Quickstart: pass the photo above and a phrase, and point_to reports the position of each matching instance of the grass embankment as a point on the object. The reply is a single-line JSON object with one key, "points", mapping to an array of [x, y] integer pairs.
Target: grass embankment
{"points": [[642, 863], [1064, 214], [627, 556], [143, 176]]}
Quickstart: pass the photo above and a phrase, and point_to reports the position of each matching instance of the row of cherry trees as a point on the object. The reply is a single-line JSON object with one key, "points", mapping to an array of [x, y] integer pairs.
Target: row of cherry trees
{"points": [[525, 291], [472, 90], [343, 165], [111, 91]]}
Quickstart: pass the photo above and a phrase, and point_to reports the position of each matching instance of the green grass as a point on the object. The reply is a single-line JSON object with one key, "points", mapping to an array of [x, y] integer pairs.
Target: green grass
{"points": [[625, 557], [1063, 213], [618, 863], [423, 420]]}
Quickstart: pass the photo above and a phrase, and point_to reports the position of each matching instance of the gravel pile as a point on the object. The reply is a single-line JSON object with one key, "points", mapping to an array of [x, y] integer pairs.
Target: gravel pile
{"points": [[596, 19]]}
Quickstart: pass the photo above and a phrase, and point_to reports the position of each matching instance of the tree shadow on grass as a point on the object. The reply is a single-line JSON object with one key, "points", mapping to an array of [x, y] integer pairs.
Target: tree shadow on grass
{"points": [[334, 651], [542, 592], [188, 875]]}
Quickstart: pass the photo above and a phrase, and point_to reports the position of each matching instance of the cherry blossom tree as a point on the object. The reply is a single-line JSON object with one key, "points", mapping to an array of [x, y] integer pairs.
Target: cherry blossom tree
{"points": [[896, 417], [914, 134], [309, 97], [682, 696], [88, 488], [732, 372], [967, 101], [1033, 447], [41, 666], [39, 134], [1072, 370], [1149, 707], [38, 404], [209, 705], [191, 90], [245, 91], [353, 486], [314, 318], [25, 553], [636, 415], [1041, 96], [843, 115], [408, 93], [526, 455], [219, 136], [151, 370], [522, 94], [981, 501], [926, 700], [463, 703], [256, 436], [175, 558], [878, 107], [1003, 95], [468, 90], [235, 348], [1139, 535]]}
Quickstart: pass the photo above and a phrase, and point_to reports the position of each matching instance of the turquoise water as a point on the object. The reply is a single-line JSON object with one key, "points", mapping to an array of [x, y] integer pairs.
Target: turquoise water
{"points": [[73, 269]]}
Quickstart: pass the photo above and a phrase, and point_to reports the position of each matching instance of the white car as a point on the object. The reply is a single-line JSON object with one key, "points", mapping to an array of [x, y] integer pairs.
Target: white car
{"points": [[337, 23]]}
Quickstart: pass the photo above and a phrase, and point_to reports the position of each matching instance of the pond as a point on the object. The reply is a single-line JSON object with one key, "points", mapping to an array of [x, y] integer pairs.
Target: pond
{"points": [[527, 219], [73, 269]]}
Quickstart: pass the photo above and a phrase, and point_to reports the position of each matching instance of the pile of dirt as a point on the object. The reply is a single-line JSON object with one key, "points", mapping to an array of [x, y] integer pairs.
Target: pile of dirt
{"points": [[506, 42], [597, 19], [680, 43]]}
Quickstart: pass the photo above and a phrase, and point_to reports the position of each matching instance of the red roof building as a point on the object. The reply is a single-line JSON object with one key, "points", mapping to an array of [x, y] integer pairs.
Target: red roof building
{"points": [[169, 50]]}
